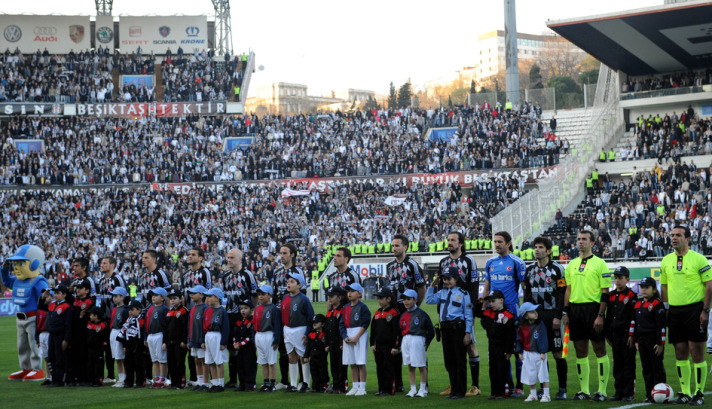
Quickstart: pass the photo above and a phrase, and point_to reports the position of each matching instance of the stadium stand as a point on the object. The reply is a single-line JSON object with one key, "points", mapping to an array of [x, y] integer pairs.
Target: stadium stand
{"points": [[123, 222]]}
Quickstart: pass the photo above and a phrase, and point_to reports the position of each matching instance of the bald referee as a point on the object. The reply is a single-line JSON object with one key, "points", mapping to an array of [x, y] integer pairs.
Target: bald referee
{"points": [[686, 284]]}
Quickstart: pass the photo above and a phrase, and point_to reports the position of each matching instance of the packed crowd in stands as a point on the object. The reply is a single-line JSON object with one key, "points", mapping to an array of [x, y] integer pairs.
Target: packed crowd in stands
{"points": [[87, 76], [668, 81], [633, 217], [81, 150], [668, 137], [255, 219], [200, 77]]}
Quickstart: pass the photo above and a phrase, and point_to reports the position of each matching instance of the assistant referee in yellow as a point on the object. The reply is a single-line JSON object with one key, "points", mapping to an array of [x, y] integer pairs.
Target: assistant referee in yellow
{"points": [[587, 283], [686, 284]]}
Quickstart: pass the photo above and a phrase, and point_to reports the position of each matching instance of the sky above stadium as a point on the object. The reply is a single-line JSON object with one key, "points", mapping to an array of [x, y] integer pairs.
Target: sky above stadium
{"points": [[335, 45]]}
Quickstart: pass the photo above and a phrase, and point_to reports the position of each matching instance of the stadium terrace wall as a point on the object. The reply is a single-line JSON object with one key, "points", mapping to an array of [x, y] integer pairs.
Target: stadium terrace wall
{"points": [[122, 110], [465, 179]]}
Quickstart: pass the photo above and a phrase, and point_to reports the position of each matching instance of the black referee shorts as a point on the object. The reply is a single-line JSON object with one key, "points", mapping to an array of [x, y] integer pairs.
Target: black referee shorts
{"points": [[555, 337], [684, 324], [581, 318]]}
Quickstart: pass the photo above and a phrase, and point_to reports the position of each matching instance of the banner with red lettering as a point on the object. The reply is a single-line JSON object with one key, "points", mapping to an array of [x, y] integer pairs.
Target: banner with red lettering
{"points": [[464, 179], [161, 109]]}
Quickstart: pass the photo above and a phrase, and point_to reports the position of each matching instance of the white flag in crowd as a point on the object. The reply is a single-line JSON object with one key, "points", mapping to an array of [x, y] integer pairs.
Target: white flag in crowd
{"points": [[394, 201], [289, 192]]}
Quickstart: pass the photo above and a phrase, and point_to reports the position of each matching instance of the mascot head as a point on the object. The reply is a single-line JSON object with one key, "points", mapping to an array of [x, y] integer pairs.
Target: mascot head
{"points": [[27, 261]]}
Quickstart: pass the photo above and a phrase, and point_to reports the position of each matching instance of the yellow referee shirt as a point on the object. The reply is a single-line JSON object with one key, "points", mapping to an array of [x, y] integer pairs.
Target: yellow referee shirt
{"points": [[685, 277], [587, 277]]}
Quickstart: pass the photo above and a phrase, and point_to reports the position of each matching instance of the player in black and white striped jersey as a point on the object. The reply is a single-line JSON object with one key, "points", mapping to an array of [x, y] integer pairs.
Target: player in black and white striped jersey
{"points": [[195, 274], [470, 281], [545, 285], [109, 280]]}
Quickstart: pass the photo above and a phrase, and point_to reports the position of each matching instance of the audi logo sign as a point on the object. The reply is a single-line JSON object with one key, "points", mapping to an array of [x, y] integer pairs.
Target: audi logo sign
{"points": [[12, 33], [45, 31]]}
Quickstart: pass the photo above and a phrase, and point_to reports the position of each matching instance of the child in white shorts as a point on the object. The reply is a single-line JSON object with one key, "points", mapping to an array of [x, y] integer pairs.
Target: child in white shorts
{"points": [[119, 315], [532, 346], [354, 330], [268, 330], [417, 330], [217, 334]]}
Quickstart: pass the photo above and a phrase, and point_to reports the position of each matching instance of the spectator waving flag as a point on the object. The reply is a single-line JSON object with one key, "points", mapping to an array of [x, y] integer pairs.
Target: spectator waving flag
{"points": [[394, 200], [289, 192]]}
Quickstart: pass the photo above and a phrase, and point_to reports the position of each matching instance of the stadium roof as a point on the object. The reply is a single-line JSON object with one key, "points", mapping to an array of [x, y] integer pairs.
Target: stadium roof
{"points": [[666, 38]]}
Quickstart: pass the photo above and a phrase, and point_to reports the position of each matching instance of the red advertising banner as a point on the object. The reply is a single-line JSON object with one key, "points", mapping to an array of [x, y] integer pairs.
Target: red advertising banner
{"points": [[162, 109], [465, 179]]}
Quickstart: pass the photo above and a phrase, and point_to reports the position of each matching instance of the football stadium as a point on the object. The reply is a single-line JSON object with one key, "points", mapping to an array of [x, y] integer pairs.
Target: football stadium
{"points": [[177, 231]]}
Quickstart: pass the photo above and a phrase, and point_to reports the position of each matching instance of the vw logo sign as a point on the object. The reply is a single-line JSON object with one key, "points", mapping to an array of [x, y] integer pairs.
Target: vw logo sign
{"points": [[192, 31], [12, 33], [45, 31]]}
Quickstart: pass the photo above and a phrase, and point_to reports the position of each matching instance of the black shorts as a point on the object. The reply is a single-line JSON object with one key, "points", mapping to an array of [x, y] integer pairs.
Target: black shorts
{"points": [[684, 324], [555, 337], [581, 318]]}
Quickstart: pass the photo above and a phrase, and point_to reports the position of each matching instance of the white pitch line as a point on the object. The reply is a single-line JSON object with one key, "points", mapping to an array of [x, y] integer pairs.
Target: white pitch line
{"points": [[635, 405]]}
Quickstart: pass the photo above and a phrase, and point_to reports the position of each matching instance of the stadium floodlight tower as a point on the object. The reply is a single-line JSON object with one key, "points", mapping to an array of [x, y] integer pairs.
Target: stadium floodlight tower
{"points": [[103, 7], [511, 60], [223, 28]]}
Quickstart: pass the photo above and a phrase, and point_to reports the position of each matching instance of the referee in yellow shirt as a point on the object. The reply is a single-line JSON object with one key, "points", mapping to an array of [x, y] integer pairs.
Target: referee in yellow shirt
{"points": [[686, 284], [587, 283]]}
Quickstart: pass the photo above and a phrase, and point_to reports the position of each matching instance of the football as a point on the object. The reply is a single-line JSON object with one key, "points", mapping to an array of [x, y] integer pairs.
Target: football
{"points": [[662, 393]]}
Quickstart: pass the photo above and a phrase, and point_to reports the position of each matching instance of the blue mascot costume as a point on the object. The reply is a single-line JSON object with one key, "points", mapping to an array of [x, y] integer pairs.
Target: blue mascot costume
{"points": [[27, 286]]}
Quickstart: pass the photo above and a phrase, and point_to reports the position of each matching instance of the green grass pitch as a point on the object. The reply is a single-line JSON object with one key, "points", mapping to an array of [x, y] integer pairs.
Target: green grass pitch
{"points": [[29, 394]]}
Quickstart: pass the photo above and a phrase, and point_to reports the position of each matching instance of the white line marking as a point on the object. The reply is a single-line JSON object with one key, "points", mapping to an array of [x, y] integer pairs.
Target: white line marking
{"points": [[635, 405]]}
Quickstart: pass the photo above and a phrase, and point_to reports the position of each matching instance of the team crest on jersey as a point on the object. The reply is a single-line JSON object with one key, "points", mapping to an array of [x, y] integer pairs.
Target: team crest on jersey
{"points": [[650, 307], [502, 319], [216, 320], [294, 308], [153, 284], [155, 315], [267, 315], [509, 268], [197, 316], [417, 321], [389, 317], [98, 329], [404, 274], [625, 300], [492, 269], [536, 335], [458, 298], [234, 279], [548, 280], [356, 317], [239, 284], [59, 310]]}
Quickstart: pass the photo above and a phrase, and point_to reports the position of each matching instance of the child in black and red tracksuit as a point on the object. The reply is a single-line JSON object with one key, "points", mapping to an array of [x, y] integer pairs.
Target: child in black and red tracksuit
{"points": [[97, 340], [59, 326], [339, 380], [619, 314], [243, 340], [498, 322], [316, 353], [176, 338], [385, 341], [78, 359], [648, 332]]}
